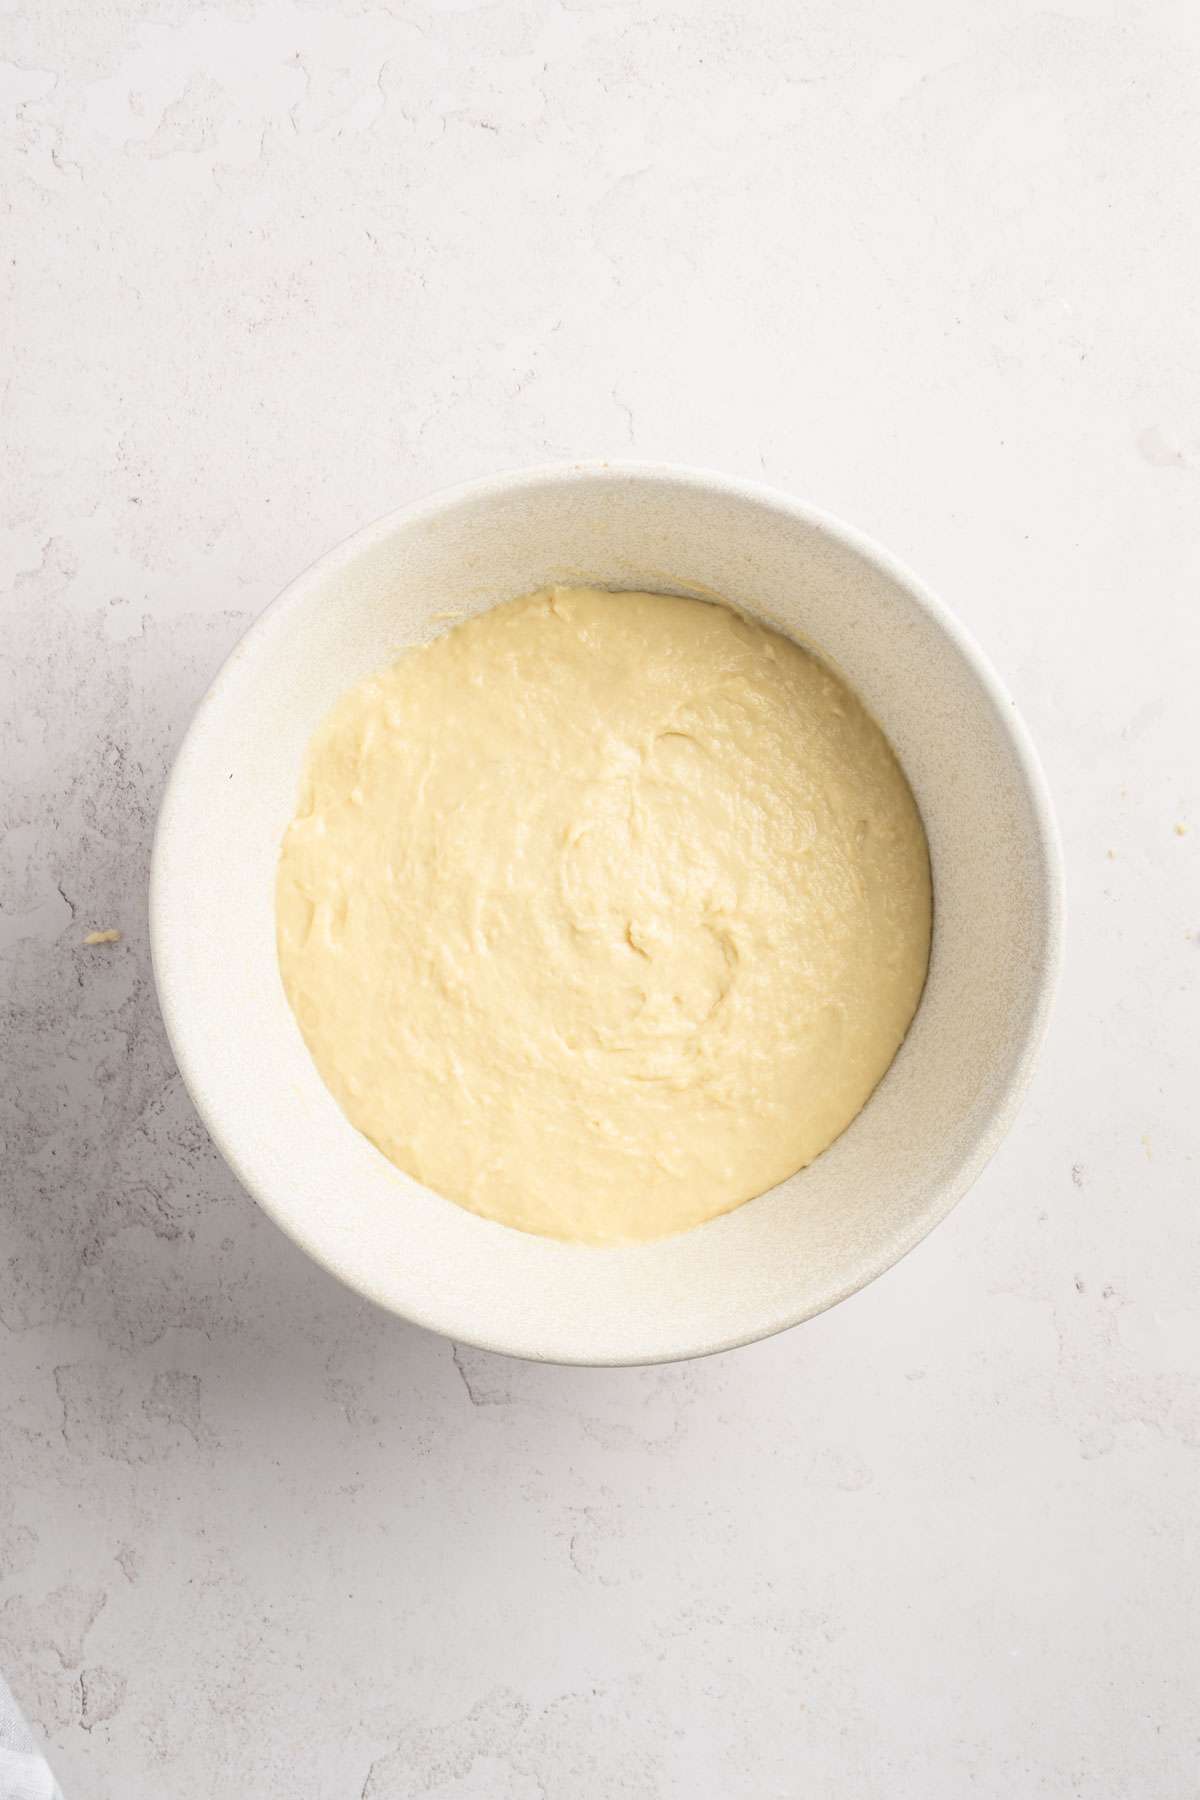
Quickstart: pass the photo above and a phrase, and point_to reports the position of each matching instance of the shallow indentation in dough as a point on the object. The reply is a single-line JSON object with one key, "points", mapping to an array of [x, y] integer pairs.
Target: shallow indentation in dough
{"points": [[603, 913]]}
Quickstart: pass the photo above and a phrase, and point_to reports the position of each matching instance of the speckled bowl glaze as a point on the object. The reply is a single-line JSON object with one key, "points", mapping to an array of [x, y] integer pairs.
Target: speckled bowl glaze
{"points": [[930, 1126]]}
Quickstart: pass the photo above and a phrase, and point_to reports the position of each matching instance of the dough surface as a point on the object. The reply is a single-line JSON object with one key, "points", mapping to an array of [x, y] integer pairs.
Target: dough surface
{"points": [[603, 913]]}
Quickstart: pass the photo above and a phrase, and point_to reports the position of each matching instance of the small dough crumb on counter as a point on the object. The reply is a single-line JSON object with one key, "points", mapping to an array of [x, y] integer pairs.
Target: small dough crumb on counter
{"points": [[103, 937]]}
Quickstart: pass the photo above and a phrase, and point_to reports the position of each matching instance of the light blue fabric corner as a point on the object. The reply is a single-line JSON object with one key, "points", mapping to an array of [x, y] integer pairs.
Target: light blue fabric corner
{"points": [[24, 1773]]}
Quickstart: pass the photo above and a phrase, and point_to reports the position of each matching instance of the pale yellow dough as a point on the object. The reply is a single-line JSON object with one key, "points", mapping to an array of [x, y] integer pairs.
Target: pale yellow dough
{"points": [[603, 912]]}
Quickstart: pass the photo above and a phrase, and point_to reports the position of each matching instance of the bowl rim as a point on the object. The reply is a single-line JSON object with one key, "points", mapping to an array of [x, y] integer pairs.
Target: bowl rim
{"points": [[1045, 839]]}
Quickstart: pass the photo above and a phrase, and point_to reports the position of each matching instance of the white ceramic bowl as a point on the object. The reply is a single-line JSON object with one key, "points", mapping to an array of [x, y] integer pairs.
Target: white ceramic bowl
{"points": [[928, 1129]]}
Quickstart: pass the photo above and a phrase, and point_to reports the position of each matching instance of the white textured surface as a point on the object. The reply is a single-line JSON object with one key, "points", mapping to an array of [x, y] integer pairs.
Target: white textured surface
{"points": [[271, 268]]}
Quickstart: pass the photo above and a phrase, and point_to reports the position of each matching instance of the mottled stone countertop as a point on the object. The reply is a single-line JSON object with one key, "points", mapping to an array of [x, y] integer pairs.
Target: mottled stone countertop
{"points": [[271, 267]]}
